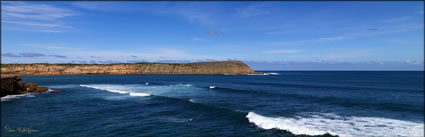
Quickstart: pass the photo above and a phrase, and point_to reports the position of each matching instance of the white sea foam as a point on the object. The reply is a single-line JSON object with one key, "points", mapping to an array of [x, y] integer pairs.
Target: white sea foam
{"points": [[337, 125], [185, 85], [11, 97], [110, 88], [264, 74], [272, 73], [145, 90], [116, 89], [139, 94], [255, 74], [212, 87]]}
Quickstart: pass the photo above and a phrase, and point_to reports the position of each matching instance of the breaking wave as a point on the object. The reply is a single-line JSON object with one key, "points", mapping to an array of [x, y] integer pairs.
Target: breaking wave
{"points": [[11, 97], [115, 89], [139, 94], [337, 125], [264, 74]]}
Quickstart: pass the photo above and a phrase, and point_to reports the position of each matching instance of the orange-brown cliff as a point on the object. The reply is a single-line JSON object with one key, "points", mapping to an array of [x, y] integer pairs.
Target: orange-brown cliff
{"points": [[217, 67]]}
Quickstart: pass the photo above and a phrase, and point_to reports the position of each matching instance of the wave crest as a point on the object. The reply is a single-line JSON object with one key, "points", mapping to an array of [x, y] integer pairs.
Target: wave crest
{"points": [[11, 97], [341, 126], [139, 94], [107, 88]]}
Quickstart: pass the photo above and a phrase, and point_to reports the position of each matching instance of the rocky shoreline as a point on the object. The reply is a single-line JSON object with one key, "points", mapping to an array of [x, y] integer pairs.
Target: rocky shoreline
{"points": [[14, 85]]}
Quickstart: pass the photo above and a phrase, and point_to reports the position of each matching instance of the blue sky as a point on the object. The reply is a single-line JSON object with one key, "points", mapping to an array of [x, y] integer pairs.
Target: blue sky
{"points": [[266, 35]]}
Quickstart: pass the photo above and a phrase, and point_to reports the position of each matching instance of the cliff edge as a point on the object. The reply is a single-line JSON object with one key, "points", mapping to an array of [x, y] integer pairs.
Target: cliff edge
{"points": [[217, 67]]}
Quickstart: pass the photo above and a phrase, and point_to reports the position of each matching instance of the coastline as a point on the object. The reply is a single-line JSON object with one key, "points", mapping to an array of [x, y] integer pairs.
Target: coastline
{"points": [[14, 85], [199, 68]]}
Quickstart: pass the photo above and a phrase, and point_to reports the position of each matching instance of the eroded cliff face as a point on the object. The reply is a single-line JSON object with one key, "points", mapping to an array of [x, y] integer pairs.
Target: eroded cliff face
{"points": [[218, 67]]}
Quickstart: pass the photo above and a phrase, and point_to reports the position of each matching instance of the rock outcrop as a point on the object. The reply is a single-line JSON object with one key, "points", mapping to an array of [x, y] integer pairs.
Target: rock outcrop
{"points": [[218, 67], [13, 85]]}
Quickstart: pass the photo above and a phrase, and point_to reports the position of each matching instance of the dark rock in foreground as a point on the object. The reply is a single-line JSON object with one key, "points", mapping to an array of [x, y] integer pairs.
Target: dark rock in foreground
{"points": [[13, 85]]}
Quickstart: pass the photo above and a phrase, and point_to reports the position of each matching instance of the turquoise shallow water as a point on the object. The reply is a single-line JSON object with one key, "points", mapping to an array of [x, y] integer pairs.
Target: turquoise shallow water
{"points": [[289, 103]]}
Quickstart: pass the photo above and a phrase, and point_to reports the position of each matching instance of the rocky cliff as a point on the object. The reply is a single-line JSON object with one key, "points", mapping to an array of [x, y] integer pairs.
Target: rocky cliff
{"points": [[217, 67], [12, 85]]}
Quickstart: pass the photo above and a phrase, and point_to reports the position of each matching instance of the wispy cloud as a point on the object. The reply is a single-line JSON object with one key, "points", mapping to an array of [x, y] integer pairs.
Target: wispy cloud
{"points": [[382, 30], [10, 55], [98, 6], [58, 56], [282, 51], [332, 38], [252, 10], [199, 39], [52, 46], [287, 43], [31, 55], [25, 55], [34, 11], [336, 65], [373, 29], [35, 17], [345, 55], [197, 15], [164, 54], [36, 24], [191, 11], [398, 19], [307, 41], [213, 32], [62, 47], [391, 29]]}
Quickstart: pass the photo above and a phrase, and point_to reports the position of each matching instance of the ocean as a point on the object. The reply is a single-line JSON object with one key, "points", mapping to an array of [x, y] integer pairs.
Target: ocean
{"points": [[283, 103]]}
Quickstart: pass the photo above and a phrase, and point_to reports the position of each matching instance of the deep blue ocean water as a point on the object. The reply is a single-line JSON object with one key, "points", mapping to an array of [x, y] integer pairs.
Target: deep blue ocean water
{"points": [[292, 103]]}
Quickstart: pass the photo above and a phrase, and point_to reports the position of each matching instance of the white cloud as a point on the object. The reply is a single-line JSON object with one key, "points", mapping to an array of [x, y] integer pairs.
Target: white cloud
{"points": [[35, 17], [34, 11], [31, 23], [282, 51]]}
